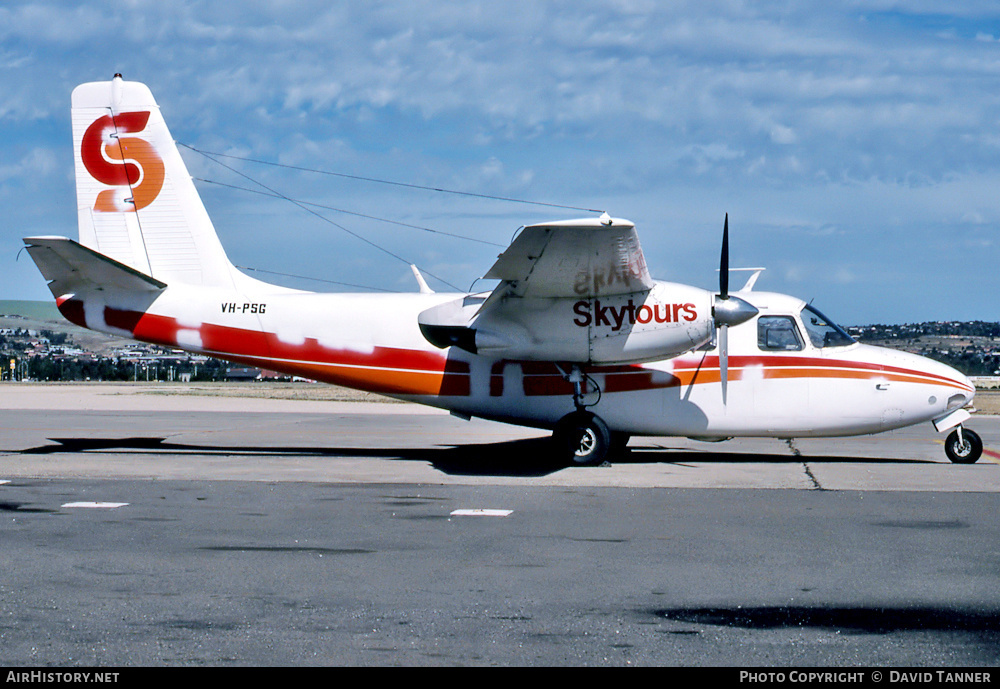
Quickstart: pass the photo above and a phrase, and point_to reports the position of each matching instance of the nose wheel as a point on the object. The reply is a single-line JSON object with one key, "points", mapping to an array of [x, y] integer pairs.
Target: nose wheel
{"points": [[963, 446]]}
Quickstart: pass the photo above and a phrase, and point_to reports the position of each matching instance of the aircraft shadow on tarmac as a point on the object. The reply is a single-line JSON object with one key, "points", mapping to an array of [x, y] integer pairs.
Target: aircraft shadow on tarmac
{"points": [[851, 620], [523, 458]]}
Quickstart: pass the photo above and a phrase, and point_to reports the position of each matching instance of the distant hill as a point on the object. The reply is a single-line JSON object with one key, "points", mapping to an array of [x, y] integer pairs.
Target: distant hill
{"points": [[33, 310], [43, 315]]}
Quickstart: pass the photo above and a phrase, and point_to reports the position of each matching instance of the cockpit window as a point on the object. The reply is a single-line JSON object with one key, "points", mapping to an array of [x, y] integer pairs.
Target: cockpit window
{"points": [[778, 333], [822, 331]]}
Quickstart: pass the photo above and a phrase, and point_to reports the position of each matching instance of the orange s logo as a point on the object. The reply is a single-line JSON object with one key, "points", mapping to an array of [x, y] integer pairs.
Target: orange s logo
{"points": [[122, 162]]}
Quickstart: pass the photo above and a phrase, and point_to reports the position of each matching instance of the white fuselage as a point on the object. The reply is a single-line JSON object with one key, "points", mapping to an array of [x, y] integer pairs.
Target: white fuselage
{"points": [[577, 336], [373, 342]]}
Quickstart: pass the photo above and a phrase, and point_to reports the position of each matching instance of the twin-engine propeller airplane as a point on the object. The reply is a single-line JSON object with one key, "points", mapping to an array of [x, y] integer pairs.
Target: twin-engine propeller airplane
{"points": [[577, 337]]}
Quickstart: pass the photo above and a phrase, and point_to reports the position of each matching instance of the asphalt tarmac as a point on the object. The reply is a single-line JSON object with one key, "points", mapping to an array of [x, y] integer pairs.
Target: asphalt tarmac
{"points": [[148, 530]]}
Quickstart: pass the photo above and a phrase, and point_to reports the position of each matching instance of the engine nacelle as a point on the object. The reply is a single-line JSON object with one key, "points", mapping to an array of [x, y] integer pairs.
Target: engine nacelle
{"points": [[659, 323]]}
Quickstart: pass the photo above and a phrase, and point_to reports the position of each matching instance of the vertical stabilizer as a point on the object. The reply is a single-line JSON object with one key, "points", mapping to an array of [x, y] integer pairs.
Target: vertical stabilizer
{"points": [[136, 201]]}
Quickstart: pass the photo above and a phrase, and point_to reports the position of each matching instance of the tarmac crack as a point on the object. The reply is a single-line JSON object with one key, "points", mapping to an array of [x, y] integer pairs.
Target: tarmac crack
{"points": [[816, 485]]}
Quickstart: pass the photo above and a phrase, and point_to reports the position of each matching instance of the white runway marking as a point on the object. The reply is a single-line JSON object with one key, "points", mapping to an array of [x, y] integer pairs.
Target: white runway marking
{"points": [[480, 512], [97, 505]]}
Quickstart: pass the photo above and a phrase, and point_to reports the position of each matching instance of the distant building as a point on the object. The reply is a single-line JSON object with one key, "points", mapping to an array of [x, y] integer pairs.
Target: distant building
{"points": [[242, 373]]}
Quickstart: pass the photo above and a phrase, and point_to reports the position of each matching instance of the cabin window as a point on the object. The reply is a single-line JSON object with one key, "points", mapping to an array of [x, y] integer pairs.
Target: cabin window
{"points": [[822, 331], [778, 333]]}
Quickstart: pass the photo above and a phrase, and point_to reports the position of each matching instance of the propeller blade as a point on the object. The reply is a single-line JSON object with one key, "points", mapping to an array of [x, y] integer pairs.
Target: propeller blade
{"points": [[724, 359], [724, 262], [727, 311]]}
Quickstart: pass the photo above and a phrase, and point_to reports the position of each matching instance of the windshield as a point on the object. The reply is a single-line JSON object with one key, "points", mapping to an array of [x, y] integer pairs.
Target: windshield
{"points": [[822, 331]]}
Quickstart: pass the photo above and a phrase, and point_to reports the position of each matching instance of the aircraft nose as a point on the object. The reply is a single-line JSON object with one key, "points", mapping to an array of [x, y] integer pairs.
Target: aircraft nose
{"points": [[959, 388], [950, 389], [971, 393]]}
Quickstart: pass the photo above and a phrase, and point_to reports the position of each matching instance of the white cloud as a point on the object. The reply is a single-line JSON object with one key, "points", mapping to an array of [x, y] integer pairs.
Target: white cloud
{"points": [[848, 115], [783, 135], [37, 163]]}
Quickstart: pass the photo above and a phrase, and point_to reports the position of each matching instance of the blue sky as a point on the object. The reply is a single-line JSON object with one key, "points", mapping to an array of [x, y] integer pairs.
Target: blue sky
{"points": [[855, 145]]}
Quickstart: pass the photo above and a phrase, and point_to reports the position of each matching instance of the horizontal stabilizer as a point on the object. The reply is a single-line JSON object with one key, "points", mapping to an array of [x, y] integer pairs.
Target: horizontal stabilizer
{"points": [[71, 267]]}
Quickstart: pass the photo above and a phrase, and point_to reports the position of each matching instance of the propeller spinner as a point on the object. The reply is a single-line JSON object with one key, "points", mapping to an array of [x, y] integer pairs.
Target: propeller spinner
{"points": [[727, 310]]}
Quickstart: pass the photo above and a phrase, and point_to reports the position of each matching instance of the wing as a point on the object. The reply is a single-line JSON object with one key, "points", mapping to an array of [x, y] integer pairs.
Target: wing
{"points": [[573, 258], [574, 291]]}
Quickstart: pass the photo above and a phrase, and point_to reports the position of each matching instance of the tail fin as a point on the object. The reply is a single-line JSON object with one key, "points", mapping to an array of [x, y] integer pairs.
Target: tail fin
{"points": [[137, 203]]}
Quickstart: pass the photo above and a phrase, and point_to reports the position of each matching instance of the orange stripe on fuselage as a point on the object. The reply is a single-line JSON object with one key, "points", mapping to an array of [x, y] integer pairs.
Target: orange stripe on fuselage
{"points": [[384, 370], [403, 371], [705, 371]]}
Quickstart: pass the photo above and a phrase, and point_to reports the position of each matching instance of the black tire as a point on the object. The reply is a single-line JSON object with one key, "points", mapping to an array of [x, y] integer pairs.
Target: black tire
{"points": [[583, 438], [967, 452], [619, 444]]}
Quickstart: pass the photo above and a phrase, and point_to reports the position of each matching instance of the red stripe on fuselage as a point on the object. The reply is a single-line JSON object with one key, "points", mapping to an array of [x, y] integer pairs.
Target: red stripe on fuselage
{"points": [[394, 370], [548, 379], [705, 369], [386, 370]]}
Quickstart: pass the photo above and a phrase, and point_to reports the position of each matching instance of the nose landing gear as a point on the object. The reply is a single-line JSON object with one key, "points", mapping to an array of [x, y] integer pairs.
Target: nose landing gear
{"points": [[963, 446]]}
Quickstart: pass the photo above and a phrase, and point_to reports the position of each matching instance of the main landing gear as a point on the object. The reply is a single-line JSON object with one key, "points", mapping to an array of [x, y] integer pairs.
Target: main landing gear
{"points": [[582, 436], [963, 446]]}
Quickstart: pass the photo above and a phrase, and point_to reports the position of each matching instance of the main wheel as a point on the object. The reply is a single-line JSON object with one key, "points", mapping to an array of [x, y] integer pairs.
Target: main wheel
{"points": [[583, 438], [966, 449], [619, 444]]}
